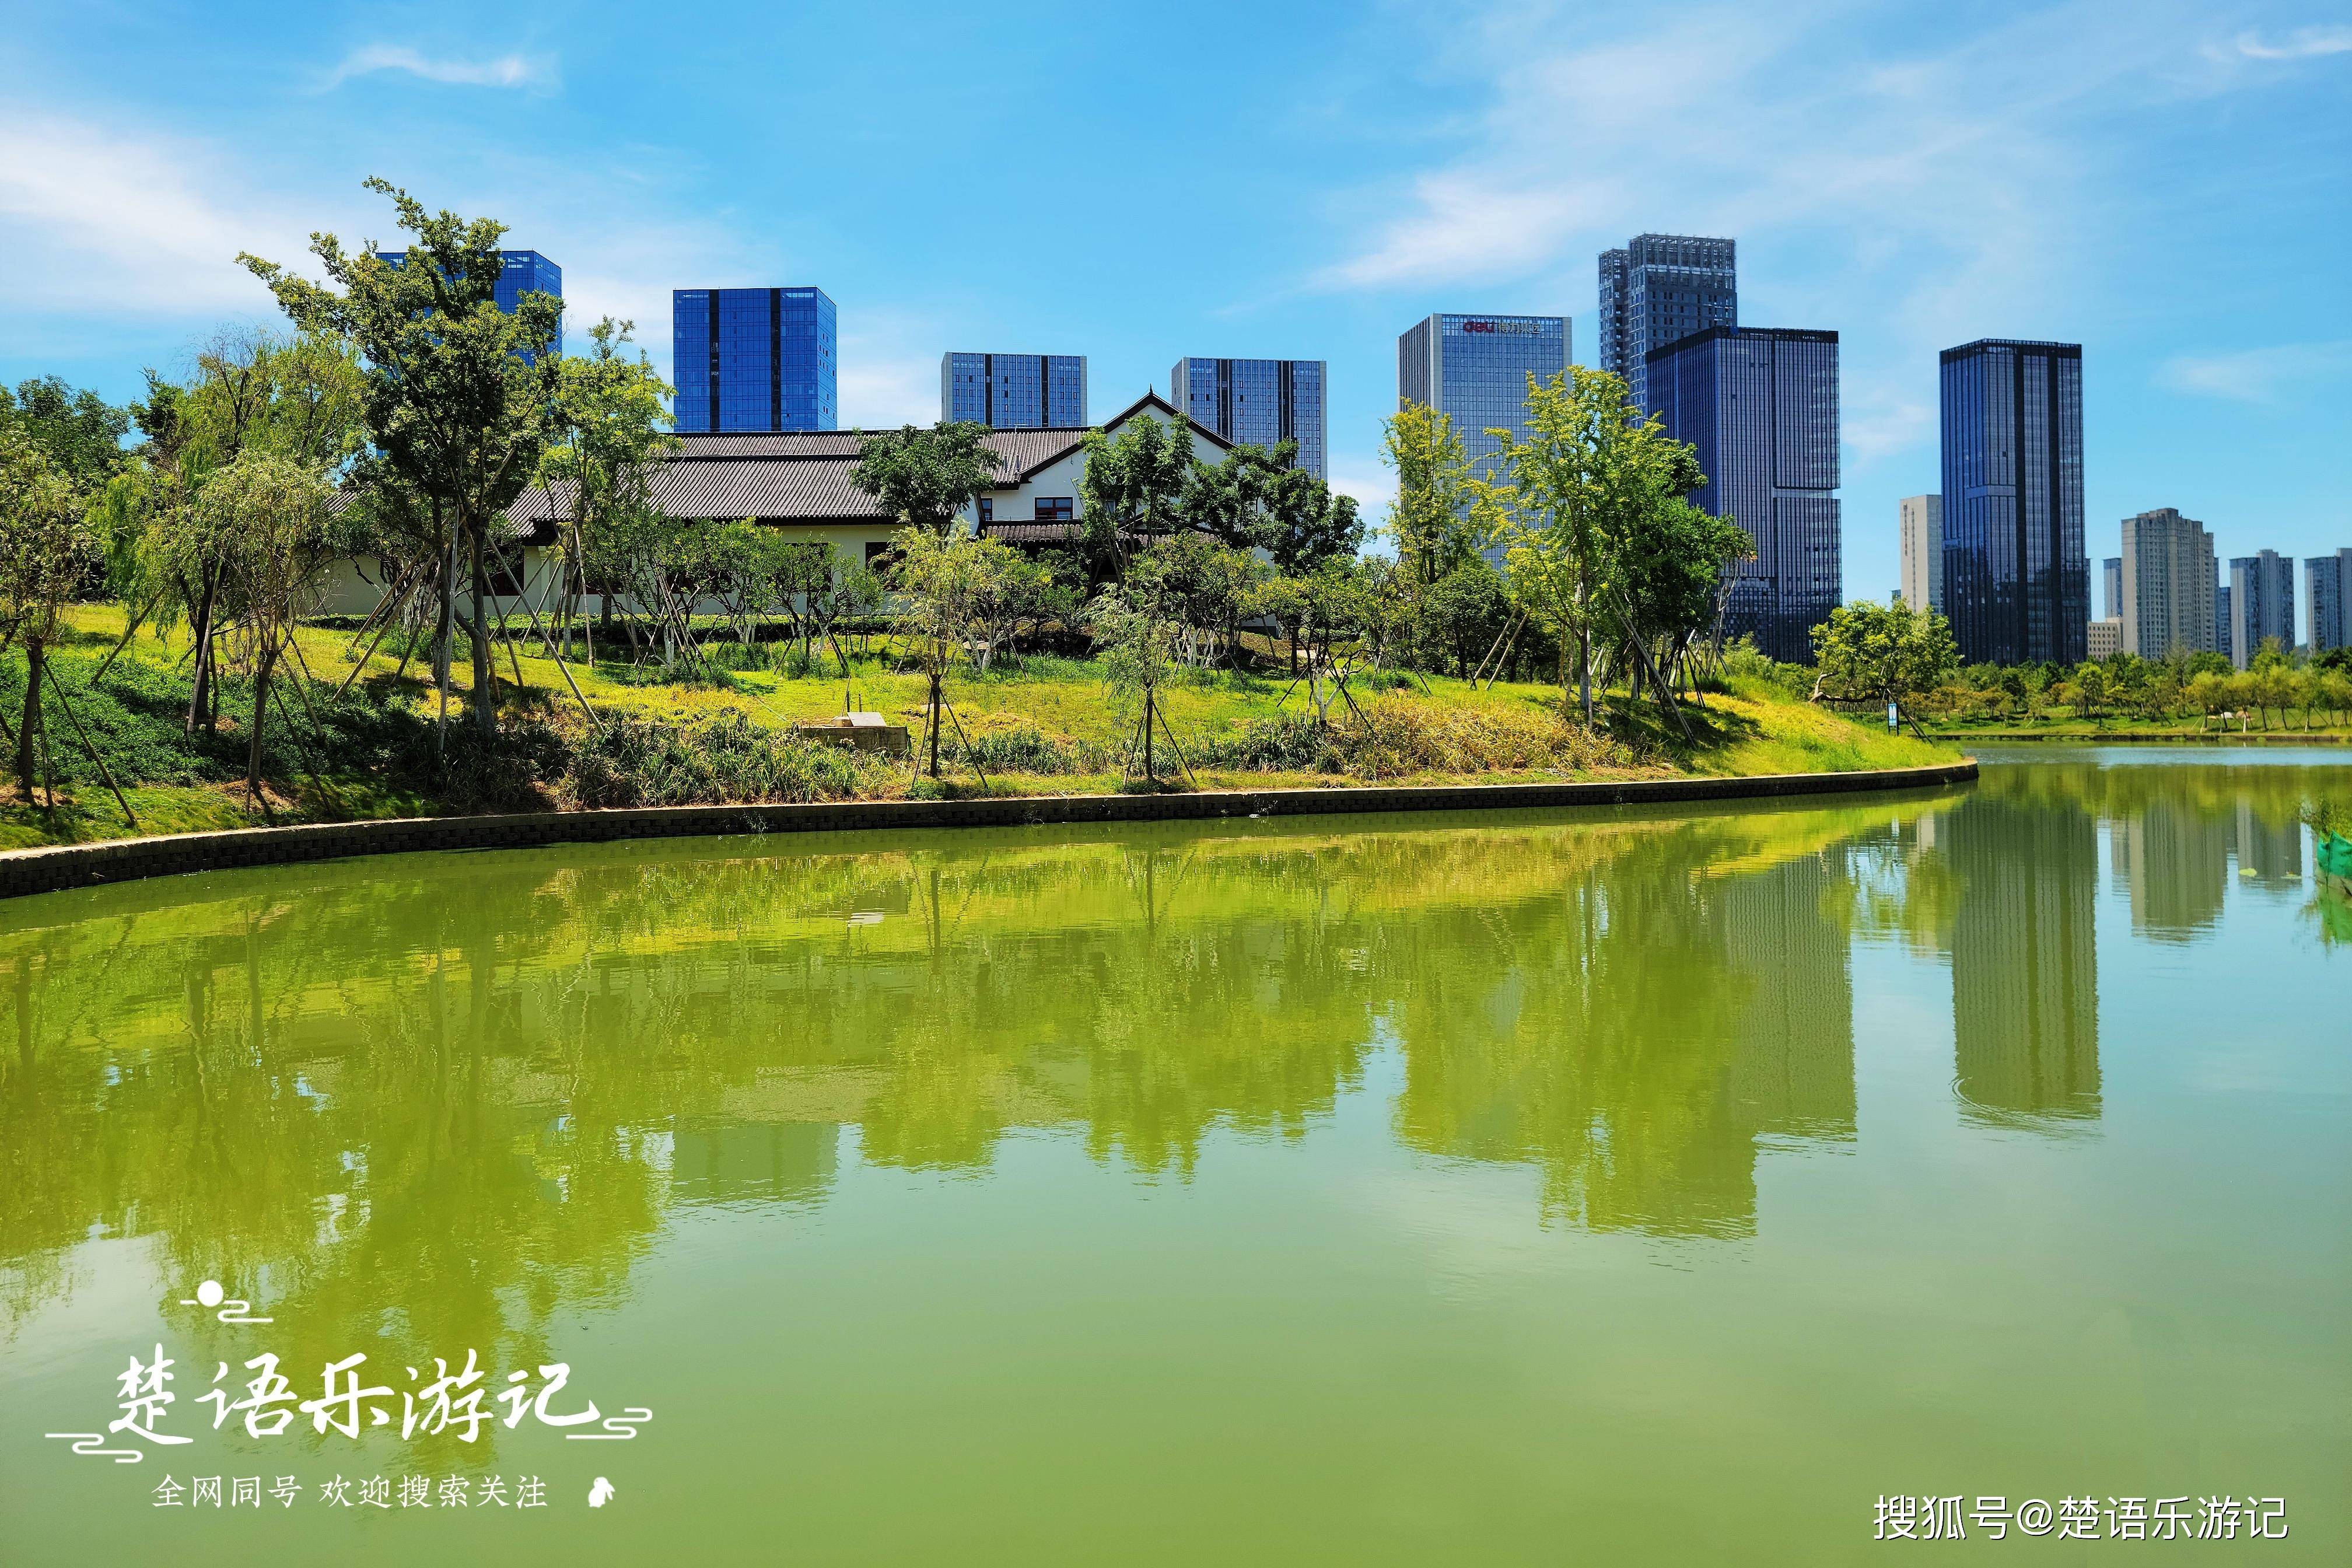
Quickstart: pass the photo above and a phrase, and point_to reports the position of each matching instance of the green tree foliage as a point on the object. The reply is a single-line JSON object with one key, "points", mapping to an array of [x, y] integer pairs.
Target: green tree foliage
{"points": [[269, 515], [1257, 498], [1137, 624], [1133, 487], [924, 478], [79, 431], [460, 396], [1889, 653], [1432, 519], [611, 428], [1464, 612], [46, 548]]}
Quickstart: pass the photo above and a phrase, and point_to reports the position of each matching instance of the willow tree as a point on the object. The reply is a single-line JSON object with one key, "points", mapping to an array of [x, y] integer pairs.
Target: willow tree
{"points": [[459, 395]]}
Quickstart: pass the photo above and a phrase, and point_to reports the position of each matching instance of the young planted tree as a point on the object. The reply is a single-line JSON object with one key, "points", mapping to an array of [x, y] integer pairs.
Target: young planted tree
{"points": [[271, 515], [1431, 521], [460, 396], [610, 431], [45, 550], [924, 478], [943, 579], [1136, 624]]}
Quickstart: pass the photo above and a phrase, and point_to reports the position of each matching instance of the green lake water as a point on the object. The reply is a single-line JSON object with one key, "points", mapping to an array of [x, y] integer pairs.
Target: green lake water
{"points": [[1611, 1187]]}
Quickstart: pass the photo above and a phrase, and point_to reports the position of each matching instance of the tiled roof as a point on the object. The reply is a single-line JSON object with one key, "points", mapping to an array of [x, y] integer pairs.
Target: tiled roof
{"points": [[803, 476]]}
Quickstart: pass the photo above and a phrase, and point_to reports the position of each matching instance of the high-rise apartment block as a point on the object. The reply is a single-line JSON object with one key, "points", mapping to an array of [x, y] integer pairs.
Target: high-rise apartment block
{"points": [[1475, 370], [1760, 404], [520, 272], [2017, 578], [2262, 604], [2168, 580], [2111, 575], [1014, 391], [753, 359], [2222, 623], [1661, 288], [1923, 551], [1257, 403], [2328, 589]]}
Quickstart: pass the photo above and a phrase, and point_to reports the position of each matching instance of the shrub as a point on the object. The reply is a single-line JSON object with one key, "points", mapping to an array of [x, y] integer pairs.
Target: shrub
{"points": [[1290, 743], [1406, 738], [721, 760], [1017, 751]]}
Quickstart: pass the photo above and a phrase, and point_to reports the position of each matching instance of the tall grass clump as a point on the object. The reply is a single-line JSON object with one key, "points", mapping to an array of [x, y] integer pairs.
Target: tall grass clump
{"points": [[726, 760]]}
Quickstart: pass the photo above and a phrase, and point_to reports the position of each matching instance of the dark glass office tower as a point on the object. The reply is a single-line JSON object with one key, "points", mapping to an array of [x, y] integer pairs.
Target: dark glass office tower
{"points": [[753, 359], [1658, 289], [520, 272], [2017, 577], [1014, 391], [1257, 403], [1760, 404]]}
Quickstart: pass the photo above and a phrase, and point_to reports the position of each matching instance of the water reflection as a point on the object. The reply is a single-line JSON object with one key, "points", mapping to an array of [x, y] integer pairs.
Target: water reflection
{"points": [[497, 1079]]}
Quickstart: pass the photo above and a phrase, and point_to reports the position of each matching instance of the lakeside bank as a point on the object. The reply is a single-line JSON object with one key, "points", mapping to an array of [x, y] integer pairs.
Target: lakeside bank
{"points": [[56, 867]]}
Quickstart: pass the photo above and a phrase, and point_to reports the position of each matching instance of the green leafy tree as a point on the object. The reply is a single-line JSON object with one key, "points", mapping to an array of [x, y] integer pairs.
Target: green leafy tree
{"points": [[610, 431], [1464, 612], [1258, 498], [1431, 521], [1133, 487], [942, 581], [460, 396], [924, 478], [271, 515], [1888, 653], [1137, 624], [79, 431], [46, 548]]}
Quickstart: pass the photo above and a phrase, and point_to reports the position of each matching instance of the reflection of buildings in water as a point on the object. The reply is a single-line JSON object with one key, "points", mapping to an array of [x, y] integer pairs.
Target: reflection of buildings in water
{"points": [[2270, 853], [2025, 1017], [757, 1161], [1794, 1063], [2175, 860]]}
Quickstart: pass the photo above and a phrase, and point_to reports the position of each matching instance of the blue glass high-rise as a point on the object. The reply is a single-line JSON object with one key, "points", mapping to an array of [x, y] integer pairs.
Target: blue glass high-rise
{"points": [[753, 359], [1760, 406], [1660, 288], [1475, 369], [520, 272], [1257, 403], [2017, 574], [1014, 391]]}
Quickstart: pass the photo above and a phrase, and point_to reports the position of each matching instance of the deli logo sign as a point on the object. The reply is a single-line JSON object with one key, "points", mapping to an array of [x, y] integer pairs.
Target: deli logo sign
{"points": [[1516, 329]]}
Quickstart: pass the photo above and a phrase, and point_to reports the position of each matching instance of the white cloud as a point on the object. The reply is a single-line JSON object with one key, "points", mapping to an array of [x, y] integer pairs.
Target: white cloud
{"points": [[117, 221], [2304, 44], [2257, 375], [1373, 488], [532, 71]]}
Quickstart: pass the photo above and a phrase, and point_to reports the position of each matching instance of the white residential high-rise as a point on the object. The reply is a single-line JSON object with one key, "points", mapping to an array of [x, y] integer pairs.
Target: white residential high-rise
{"points": [[1923, 551], [2328, 589], [2167, 585]]}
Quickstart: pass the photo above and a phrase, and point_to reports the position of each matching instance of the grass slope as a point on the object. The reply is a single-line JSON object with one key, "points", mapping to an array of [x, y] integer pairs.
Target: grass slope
{"points": [[1049, 723]]}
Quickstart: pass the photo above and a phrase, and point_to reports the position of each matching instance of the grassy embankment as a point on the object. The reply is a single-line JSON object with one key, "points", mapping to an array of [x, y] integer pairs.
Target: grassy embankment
{"points": [[1040, 725], [2070, 725]]}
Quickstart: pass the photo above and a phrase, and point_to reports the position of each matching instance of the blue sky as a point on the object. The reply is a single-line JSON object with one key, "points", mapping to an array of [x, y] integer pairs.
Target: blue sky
{"points": [[2170, 185]]}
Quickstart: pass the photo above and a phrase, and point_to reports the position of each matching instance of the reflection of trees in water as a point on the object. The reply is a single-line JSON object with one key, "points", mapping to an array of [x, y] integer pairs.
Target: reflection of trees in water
{"points": [[417, 1106]]}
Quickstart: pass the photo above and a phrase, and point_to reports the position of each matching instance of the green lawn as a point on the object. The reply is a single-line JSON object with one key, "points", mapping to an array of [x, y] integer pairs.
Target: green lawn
{"points": [[371, 758]]}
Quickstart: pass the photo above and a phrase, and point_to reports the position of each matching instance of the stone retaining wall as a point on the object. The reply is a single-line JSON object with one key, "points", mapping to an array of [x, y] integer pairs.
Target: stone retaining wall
{"points": [[51, 868]]}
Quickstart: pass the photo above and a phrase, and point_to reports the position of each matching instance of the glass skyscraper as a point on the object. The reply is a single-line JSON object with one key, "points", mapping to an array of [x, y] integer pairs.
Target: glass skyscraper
{"points": [[2017, 576], [1760, 404], [520, 272], [753, 359], [1014, 391], [1658, 289], [1475, 370], [1257, 403]]}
